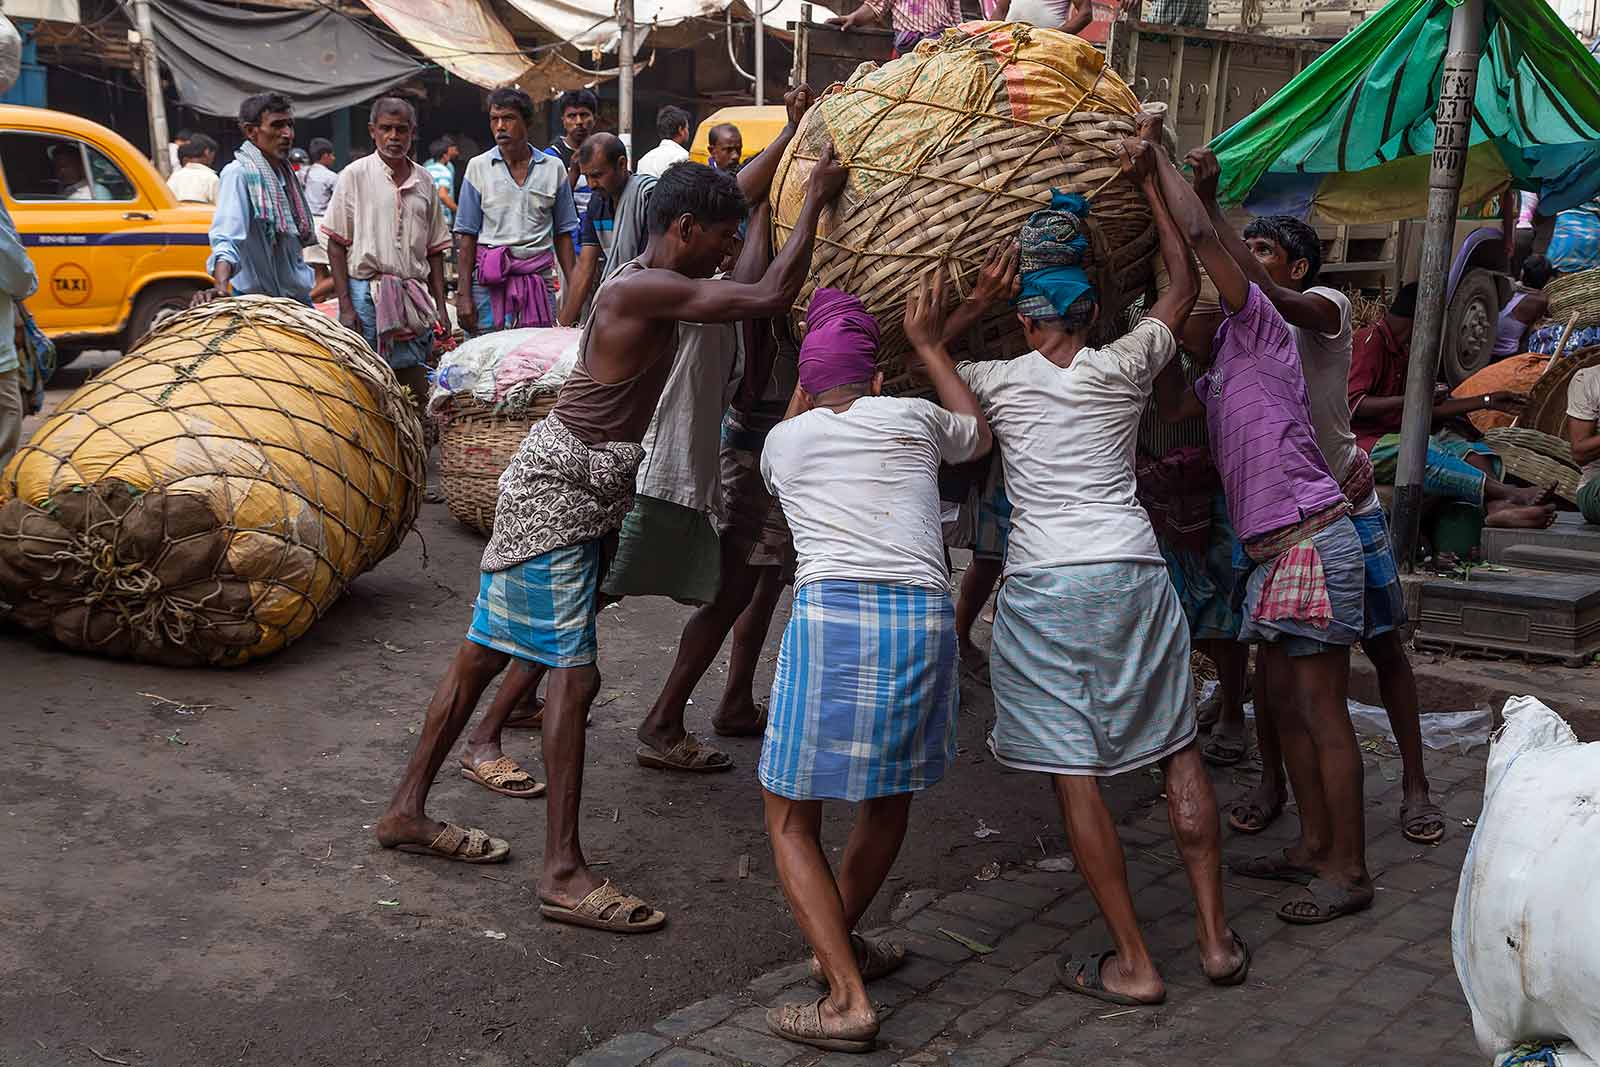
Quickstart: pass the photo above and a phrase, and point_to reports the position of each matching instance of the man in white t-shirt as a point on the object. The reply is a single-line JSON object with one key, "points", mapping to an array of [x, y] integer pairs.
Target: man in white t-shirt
{"points": [[1583, 411], [865, 698], [1089, 662], [672, 123], [1282, 255]]}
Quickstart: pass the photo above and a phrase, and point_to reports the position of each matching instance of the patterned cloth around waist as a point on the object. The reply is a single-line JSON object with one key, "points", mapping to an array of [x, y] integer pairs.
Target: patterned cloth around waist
{"points": [[866, 693], [557, 491], [1275, 544]]}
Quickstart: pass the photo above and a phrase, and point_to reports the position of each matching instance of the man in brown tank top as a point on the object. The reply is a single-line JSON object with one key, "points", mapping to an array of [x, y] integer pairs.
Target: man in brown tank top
{"points": [[569, 487]]}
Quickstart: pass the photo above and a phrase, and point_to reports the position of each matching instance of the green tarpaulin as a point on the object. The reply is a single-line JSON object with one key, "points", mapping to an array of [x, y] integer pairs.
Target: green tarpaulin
{"points": [[1351, 136]]}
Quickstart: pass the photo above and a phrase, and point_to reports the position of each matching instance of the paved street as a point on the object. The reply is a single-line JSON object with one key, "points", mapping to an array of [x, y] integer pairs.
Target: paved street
{"points": [[1374, 989]]}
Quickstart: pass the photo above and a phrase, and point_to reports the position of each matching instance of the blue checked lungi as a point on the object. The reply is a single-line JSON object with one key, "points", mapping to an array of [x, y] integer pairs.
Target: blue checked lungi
{"points": [[1338, 548], [994, 516], [1575, 242], [866, 693], [541, 609], [412, 352], [1090, 669], [1383, 600]]}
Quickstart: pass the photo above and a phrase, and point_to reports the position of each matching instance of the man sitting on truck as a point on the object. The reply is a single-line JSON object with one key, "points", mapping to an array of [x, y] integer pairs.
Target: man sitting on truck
{"points": [[262, 222]]}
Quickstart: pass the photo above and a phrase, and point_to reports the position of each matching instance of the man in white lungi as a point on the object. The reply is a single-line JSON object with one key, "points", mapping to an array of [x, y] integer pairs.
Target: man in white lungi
{"points": [[1090, 657], [865, 698]]}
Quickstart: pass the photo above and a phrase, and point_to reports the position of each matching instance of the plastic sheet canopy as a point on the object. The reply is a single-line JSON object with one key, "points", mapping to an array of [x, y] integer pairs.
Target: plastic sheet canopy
{"points": [[211, 494]]}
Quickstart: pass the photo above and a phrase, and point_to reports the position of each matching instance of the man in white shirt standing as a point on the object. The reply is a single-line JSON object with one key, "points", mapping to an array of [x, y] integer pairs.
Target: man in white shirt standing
{"points": [[194, 182], [865, 698], [672, 123], [1090, 658]]}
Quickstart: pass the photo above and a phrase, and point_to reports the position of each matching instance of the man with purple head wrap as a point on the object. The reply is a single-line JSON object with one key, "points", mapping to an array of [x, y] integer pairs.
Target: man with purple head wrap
{"points": [[870, 649]]}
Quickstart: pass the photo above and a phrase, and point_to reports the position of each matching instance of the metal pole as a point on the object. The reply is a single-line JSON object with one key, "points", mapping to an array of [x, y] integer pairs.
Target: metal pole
{"points": [[152, 87], [625, 77], [1453, 120], [761, 53]]}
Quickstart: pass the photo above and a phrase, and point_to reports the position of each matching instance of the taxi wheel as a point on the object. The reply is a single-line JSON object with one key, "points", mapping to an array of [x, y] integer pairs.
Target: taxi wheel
{"points": [[154, 304]]}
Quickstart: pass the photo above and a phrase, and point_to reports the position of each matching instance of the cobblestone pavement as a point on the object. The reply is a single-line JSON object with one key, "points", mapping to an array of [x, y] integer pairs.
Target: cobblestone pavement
{"points": [[1379, 987]]}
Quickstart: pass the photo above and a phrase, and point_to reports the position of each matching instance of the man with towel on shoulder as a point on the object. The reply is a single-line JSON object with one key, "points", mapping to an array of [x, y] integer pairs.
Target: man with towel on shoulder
{"points": [[1090, 658], [865, 698]]}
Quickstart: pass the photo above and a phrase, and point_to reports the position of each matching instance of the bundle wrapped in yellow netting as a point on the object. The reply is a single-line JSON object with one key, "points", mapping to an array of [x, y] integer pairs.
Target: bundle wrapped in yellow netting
{"points": [[210, 495], [950, 149]]}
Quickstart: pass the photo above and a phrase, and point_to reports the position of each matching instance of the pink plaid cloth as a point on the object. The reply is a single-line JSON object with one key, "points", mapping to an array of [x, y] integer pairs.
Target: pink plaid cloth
{"points": [[1297, 588]]}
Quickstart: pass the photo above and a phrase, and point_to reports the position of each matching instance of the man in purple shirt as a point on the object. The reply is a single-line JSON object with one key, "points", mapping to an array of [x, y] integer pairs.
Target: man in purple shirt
{"points": [[1302, 577]]}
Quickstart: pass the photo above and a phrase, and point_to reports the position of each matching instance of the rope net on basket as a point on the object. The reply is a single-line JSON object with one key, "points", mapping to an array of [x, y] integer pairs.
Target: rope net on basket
{"points": [[949, 150], [207, 497]]}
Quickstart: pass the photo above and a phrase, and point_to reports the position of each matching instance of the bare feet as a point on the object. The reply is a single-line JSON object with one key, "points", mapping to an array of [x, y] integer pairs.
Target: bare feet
{"points": [[1223, 961], [1134, 983], [741, 717], [528, 717], [395, 829], [1532, 497], [567, 888], [1506, 515]]}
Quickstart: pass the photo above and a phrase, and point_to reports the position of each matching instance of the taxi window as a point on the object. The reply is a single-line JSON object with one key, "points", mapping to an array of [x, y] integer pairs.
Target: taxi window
{"points": [[44, 167]]}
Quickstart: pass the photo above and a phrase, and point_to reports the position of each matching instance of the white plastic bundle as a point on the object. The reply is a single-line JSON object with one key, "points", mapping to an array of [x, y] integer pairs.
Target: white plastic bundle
{"points": [[10, 55], [1526, 934]]}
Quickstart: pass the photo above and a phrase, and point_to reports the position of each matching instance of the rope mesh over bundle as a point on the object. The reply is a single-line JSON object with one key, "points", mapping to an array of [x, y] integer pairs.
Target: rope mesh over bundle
{"points": [[206, 498], [950, 149]]}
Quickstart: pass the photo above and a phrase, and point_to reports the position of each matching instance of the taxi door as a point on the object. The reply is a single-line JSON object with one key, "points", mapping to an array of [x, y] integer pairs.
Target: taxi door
{"points": [[72, 205]]}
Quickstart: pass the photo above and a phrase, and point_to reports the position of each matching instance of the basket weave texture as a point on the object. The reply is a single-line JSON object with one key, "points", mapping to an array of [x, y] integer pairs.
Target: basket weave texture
{"points": [[476, 444], [1535, 468], [950, 149], [1546, 409], [1575, 294], [211, 494]]}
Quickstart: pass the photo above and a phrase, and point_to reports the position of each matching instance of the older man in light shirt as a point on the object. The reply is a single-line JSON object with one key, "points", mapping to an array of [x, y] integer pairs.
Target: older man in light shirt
{"points": [[17, 282], [515, 220]]}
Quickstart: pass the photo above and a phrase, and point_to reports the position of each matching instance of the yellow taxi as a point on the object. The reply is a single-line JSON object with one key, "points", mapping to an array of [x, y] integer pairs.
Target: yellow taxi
{"points": [[112, 246], [758, 127]]}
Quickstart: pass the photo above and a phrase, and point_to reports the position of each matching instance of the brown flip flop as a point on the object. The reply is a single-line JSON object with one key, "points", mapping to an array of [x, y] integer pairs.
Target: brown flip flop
{"points": [[876, 957], [688, 755], [607, 908], [802, 1024], [459, 844], [500, 775]]}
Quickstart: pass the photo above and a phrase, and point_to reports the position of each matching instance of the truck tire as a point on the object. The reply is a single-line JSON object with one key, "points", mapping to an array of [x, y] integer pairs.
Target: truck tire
{"points": [[155, 302], [1470, 323]]}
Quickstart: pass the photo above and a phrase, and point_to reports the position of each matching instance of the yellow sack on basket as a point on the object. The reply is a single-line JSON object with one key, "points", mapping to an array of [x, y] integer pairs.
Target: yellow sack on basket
{"points": [[207, 497], [950, 149]]}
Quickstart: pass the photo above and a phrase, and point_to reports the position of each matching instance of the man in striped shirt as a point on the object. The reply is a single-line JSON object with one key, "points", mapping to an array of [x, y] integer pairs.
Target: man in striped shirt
{"points": [[911, 20]]}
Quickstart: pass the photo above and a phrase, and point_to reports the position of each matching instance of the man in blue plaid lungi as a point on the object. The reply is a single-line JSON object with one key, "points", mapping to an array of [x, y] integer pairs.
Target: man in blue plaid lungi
{"points": [[1090, 658], [568, 487], [865, 698]]}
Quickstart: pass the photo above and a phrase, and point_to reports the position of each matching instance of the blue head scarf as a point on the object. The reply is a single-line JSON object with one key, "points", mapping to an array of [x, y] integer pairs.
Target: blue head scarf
{"points": [[1055, 247]]}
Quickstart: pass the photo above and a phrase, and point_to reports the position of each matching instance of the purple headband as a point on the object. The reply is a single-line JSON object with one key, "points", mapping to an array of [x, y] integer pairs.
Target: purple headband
{"points": [[841, 342]]}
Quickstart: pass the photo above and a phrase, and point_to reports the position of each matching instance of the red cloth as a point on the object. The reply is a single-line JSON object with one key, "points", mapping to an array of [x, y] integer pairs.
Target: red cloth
{"points": [[1297, 588], [1377, 368]]}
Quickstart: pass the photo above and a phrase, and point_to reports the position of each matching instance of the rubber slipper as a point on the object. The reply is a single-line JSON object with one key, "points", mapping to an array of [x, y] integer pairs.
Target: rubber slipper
{"points": [[500, 775], [607, 908], [1411, 825], [688, 755], [876, 957], [802, 1024], [535, 720], [1331, 901], [1239, 973], [459, 844], [1273, 867], [1261, 819], [1221, 752], [1083, 976]]}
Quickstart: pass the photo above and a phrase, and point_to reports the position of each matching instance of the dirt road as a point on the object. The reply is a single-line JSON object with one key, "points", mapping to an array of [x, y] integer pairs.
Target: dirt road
{"points": [[199, 884]]}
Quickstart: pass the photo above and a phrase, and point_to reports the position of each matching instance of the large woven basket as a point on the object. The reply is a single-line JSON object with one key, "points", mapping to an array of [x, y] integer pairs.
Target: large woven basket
{"points": [[476, 444], [1575, 294], [1546, 409], [212, 493], [950, 149], [1535, 468]]}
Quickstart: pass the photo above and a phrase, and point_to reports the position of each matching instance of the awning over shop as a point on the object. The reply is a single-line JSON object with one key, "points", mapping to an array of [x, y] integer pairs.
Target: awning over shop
{"points": [[321, 60], [592, 24], [1352, 135], [466, 39]]}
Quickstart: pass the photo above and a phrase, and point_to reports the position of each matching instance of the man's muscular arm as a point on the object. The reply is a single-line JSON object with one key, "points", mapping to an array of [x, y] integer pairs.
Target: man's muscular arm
{"points": [[665, 294]]}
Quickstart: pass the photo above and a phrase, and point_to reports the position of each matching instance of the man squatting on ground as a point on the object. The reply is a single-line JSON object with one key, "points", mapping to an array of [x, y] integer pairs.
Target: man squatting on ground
{"points": [[567, 489]]}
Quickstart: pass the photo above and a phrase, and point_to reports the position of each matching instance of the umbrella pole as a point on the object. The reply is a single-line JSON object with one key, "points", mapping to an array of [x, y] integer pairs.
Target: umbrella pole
{"points": [[1453, 122], [625, 74], [154, 100]]}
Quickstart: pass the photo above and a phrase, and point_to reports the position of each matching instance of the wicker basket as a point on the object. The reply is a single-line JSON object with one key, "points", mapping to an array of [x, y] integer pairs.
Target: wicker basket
{"points": [[476, 443], [1536, 469], [1575, 294], [211, 494], [1547, 445], [950, 149], [1546, 409]]}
